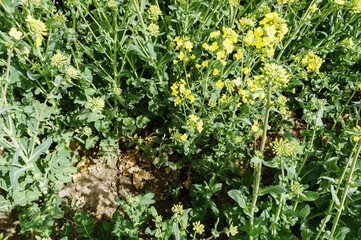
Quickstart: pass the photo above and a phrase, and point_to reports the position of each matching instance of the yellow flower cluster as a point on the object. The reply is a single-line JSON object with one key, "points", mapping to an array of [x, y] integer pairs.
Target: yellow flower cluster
{"points": [[177, 137], [312, 62], [223, 47], [273, 74], [253, 92], [154, 12], [183, 43], [195, 122], [273, 30], [246, 22], [38, 28], [15, 33], [96, 104], [180, 91], [153, 29]]}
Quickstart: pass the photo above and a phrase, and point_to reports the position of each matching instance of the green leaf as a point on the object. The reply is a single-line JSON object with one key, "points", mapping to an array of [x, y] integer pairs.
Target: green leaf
{"points": [[15, 174], [91, 141], [304, 212], [239, 197], [309, 196], [40, 150], [273, 190], [334, 196]]}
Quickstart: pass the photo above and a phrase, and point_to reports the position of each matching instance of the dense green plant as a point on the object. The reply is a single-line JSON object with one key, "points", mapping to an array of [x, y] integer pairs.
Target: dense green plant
{"points": [[259, 98]]}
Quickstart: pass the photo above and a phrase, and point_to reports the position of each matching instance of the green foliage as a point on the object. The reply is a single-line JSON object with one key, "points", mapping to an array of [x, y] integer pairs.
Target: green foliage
{"points": [[260, 99]]}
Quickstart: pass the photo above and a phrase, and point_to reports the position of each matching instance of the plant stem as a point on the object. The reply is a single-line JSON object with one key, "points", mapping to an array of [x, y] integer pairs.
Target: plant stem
{"points": [[259, 167], [352, 169], [311, 144], [328, 215]]}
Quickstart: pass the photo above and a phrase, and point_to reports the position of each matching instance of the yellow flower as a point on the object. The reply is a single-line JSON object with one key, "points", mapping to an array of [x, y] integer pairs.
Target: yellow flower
{"points": [[200, 126], [205, 46], [230, 34], [181, 56], [228, 45], [191, 97], [38, 40], [213, 47], [198, 66], [215, 72], [246, 70], [184, 137], [223, 98], [356, 138], [154, 12], [239, 54], [37, 26], [314, 8], [220, 55], [193, 56], [15, 33], [237, 81], [205, 63], [188, 45], [224, 63], [175, 61], [215, 34], [26, 51], [249, 37], [312, 62], [153, 29], [177, 100], [219, 84], [255, 126]]}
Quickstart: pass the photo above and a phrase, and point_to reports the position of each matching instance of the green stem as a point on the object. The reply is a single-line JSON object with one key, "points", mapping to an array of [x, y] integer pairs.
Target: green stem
{"points": [[259, 167], [352, 169], [328, 213], [296, 30]]}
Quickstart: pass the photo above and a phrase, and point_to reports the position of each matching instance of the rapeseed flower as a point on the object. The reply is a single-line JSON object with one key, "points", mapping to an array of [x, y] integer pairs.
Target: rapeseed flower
{"points": [[38, 28], [154, 12], [15, 33], [71, 72], [198, 228], [153, 29], [215, 34], [58, 60], [215, 72], [312, 62], [239, 54], [118, 91], [96, 104], [245, 21], [274, 74], [314, 8], [205, 63], [219, 84]]}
